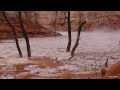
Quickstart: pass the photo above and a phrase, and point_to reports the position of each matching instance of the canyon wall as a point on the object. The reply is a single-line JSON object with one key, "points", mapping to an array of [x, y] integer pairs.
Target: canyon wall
{"points": [[95, 19]]}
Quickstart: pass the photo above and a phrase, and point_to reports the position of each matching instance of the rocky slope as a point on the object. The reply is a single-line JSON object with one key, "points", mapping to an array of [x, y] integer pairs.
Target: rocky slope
{"points": [[113, 72]]}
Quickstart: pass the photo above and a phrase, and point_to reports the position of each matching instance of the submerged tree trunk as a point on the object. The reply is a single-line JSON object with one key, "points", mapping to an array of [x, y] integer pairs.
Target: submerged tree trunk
{"points": [[25, 34], [77, 39], [106, 63], [69, 33], [14, 33]]}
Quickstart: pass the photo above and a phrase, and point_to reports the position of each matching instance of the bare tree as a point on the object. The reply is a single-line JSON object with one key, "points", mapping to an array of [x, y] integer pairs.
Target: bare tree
{"points": [[36, 20], [106, 63], [77, 39], [69, 33], [26, 14], [55, 22], [65, 17], [25, 34], [16, 14], [14, 33], [35, 17]]}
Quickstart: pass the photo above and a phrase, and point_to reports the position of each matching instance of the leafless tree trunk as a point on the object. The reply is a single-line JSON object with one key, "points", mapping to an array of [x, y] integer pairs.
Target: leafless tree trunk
{"points": [[36, 21], [65, 16], [25, 34], [36, 18], [64, 19], [69, 33], [16, 14], [14, 32], [55, 22], [106, 63], [77, 39], [26, 14]]}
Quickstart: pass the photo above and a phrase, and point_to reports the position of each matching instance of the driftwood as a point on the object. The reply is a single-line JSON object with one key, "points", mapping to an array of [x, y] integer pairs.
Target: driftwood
{"points": [[14, 32], [77, 39]]}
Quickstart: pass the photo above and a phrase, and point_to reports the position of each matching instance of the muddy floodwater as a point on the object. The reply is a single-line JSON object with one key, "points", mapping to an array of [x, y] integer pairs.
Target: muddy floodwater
{"points": [[93, 50]]}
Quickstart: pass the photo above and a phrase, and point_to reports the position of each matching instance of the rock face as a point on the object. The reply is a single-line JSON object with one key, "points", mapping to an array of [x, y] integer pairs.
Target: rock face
{"points": [[95, 19], [113, 72]]}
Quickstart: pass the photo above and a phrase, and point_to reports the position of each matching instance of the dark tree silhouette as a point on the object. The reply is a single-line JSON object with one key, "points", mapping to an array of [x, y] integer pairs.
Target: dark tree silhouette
{"points": [[106, 63], [69, 33], [77, 39], [25, 34], [14, 33]]}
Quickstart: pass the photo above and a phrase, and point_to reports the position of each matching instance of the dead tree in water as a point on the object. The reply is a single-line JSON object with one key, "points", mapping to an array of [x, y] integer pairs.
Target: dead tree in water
{"points": [[69, 33], [14, 33], [106, 63], [77, 39], [25, 34]]}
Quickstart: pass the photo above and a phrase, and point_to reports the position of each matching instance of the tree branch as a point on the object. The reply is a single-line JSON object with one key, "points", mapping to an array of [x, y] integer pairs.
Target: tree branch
{"points": [[14, 32], [77, 39]]}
